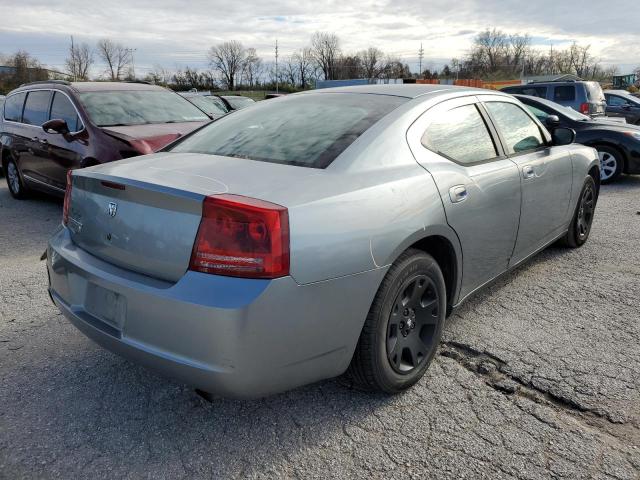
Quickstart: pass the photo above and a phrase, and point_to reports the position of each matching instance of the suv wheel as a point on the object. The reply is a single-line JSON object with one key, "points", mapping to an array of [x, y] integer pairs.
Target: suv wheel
{"points": [[402, 331], [14, 181], [611, 163]]}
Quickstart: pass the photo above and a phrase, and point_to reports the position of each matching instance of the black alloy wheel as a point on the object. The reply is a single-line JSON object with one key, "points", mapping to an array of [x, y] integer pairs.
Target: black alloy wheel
{"points": [[412, 324]]}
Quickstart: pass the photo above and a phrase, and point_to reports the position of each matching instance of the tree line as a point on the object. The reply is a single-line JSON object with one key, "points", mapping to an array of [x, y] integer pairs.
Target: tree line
{"points": [[494, 55]]}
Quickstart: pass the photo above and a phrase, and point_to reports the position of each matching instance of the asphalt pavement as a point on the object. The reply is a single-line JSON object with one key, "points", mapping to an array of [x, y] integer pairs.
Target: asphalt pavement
{"points": [[538, 376]]}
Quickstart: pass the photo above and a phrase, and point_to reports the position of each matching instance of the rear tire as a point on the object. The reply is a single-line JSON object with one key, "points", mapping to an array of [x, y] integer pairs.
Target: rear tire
{"points": [[403, 328], [580, 226], [611, 163], [17, 188]]}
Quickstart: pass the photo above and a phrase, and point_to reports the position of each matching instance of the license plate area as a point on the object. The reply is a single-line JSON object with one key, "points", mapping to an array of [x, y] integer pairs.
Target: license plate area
{"points": [[106, 305]]}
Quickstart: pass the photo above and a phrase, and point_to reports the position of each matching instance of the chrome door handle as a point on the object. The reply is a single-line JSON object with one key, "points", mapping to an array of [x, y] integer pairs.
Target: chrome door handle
{"points": [[458, 193], [528, 172]]}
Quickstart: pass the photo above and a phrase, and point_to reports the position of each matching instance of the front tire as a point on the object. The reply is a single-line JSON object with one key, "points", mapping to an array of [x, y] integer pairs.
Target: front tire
{"points": [[580, 226], [17, 188], [611, 163], [403, 328]]}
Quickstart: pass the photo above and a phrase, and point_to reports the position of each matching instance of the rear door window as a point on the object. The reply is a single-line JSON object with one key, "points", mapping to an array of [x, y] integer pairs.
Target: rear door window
{"points": [[36, 108], [564, 93], [460, 135], [520, 132], [63, 109], [13, 107]]}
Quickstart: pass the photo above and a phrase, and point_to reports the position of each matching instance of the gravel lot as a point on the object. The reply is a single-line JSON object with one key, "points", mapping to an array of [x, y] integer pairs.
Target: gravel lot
{"points": [[538, 377]]}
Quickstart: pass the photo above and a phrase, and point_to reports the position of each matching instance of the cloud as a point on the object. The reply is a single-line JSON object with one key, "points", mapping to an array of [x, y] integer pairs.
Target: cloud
{"points": [[175, 34]]}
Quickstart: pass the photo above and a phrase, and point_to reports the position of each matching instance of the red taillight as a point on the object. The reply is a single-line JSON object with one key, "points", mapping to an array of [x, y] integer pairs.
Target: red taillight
{"points": [[242, 237], [584, 108], [67, 198]]}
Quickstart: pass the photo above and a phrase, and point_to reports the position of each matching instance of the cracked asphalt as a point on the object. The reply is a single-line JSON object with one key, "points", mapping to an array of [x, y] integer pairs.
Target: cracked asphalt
{"points": [[538, 377]]}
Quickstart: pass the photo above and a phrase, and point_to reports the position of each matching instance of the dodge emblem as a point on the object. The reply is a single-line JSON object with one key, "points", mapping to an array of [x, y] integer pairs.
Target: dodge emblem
{"points": [[113, 209]]}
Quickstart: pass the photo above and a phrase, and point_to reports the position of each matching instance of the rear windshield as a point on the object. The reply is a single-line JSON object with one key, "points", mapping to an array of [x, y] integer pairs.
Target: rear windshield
{"points": [[239, 102], [207, 105], [594, 92], [308, 130], [139, 107]]}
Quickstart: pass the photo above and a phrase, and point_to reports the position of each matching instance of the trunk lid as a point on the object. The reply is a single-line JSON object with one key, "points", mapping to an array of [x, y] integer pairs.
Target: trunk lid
{"points": [[143, 213]]}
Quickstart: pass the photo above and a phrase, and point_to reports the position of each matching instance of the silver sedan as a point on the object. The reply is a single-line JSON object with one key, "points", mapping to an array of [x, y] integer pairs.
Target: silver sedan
{"points": [[316, 234]]}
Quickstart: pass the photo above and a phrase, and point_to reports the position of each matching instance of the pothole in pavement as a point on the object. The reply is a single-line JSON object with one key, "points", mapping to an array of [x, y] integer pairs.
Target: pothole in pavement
{"points": [[494, 372]]}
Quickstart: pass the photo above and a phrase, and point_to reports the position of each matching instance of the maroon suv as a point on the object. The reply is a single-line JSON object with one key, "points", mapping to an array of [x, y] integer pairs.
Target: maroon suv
{"points": [[47, 128]]}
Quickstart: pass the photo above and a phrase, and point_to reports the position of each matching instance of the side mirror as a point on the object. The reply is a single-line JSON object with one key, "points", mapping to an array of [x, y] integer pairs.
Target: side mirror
{"points": [[563, 136], [553, 121], [56, 125]]}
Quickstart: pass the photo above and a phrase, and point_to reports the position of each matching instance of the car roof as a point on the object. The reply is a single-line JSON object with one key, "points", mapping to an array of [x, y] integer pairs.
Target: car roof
{"points": [[110, 86], [89, 86], [410, 90]]}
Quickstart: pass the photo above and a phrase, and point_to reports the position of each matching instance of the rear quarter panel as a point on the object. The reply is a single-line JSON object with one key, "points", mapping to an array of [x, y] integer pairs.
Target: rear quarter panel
{"points": [[376, 202]]}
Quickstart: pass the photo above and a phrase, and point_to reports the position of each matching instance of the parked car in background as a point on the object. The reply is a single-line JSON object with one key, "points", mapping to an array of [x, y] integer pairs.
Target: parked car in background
{"points": [[236, 102], [584, 97], [618, 145], [210, 104], [50, 127], [399, 202], [621, 103]]}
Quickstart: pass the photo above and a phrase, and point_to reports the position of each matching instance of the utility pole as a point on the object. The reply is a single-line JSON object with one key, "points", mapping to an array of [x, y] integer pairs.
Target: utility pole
{"points": [[133, 65], [420, 55], [551, 59], [277, 65], [73, 60]]}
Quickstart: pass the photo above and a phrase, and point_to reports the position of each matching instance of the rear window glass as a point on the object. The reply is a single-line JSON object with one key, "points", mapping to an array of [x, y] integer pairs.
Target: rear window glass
{"points": [[13, 107], [594, 92], [564, 93], [308, 130], [239, 102], [36, 108]]}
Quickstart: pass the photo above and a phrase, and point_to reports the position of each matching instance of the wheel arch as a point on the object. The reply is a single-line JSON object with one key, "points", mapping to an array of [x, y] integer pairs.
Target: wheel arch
{"points": [[444, 246], [605, 143]]}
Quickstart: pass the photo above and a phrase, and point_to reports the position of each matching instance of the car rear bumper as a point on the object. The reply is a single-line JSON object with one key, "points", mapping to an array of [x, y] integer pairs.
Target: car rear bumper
{"points": [[228, 336]]}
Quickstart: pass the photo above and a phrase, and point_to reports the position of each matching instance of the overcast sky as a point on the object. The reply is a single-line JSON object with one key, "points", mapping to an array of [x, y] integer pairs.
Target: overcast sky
{"points": [[175, 33]]}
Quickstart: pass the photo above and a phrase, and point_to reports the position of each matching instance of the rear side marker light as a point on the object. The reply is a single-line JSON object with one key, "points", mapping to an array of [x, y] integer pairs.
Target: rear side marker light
{"points": [[242, 237], [67, 198]]}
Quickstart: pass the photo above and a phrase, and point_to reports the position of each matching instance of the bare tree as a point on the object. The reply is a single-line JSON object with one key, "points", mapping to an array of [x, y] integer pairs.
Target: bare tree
{"points": [[159, 75], [325, 48], [228, 59], [251, 67], [116, 56], [303, 61], [79, 61], [371, 61]]}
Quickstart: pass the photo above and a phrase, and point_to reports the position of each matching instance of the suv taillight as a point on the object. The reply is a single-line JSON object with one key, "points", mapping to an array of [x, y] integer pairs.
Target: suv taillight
{"points": [[584, 108], [242, 237], [67, 198]]}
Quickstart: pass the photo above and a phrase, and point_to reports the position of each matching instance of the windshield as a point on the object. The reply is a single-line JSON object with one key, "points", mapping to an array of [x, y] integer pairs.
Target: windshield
{"points": [[239, 102], [308, 130], [207, 105], [139, 107]]}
